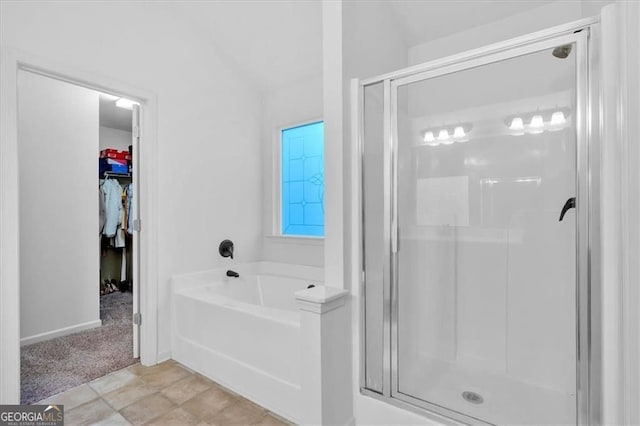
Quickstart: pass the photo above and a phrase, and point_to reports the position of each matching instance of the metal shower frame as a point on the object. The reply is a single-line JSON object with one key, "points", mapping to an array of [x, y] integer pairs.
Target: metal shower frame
{"points": [[582, 33]]}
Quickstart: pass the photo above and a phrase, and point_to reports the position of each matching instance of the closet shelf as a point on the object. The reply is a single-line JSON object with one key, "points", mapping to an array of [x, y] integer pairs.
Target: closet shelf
{"points": [[115, 175]]}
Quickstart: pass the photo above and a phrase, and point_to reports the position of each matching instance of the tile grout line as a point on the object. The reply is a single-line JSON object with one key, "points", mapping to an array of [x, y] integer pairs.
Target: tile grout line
{"points": [[122, 381]]}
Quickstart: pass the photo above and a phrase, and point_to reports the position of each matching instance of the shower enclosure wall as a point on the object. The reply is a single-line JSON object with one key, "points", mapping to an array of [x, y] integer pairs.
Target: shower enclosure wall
{"points": [[476, 218]]}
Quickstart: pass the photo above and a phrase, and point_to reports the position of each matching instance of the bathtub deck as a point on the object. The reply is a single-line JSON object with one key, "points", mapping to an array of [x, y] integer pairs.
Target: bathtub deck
{"points": [[163, 394]]}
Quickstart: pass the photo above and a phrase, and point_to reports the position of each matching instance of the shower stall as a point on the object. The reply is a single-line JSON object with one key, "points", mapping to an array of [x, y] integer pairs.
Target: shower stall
{"points": [[476, 216]]}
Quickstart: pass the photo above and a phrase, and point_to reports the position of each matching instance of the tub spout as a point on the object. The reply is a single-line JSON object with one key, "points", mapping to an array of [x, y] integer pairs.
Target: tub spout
{"points": [[231, 273]]}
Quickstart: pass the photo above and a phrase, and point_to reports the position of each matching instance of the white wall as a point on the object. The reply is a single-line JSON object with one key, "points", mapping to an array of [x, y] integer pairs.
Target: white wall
{"points": [[208, 121], [372, 44], [114, 138], [620, 208], [549, 15], [58, 181], [292, 105]]}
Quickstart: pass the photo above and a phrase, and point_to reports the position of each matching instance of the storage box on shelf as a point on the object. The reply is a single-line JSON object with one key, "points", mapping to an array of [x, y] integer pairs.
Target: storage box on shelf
{"points": [[115, 161]]}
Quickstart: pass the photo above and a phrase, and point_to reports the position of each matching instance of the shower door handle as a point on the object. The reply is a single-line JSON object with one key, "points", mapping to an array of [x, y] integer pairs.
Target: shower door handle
{"points": [[570, 204]]}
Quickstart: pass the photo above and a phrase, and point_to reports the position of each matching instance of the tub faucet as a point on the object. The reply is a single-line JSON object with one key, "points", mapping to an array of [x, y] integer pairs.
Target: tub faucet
{"points": [[231, 273], [226, 248]]}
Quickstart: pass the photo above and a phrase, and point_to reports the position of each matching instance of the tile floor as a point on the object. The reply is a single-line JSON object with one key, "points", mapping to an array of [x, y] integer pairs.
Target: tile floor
{"points": [[165, 394]]}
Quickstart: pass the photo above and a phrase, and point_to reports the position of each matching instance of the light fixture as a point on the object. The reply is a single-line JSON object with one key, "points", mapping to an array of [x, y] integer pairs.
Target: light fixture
{"points": [[557, 120], [459, 134], [536, 125], [443, 137], [126, 103], [517, 126], [552, 119], [445, 134]]}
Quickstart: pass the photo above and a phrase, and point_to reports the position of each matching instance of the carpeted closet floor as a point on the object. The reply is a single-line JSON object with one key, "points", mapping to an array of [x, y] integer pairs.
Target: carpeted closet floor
{"points": [[53, 366]]}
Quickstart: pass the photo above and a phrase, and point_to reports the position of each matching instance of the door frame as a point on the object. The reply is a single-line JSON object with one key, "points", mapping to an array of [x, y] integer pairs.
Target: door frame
{"points": [[586, 216], [12, 61]]}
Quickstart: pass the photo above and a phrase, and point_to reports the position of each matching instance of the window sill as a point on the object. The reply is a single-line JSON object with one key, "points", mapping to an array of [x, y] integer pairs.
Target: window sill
{"points": [[294, 239]]}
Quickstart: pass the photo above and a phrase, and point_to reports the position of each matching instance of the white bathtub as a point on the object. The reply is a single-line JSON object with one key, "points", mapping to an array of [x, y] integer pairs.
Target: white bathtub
{"points": [[244, 332]]}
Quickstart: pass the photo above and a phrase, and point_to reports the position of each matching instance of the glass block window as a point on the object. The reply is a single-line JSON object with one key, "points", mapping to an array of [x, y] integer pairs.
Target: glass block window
{"points": [[302, 172]]}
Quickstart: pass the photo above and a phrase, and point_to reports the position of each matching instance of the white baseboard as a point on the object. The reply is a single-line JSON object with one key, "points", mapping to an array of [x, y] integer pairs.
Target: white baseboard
{"points": [[164, 356], [59, 332]]}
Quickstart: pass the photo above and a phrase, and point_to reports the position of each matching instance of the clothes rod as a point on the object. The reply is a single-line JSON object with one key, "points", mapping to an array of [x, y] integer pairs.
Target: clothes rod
{"points": [[115, 175]]}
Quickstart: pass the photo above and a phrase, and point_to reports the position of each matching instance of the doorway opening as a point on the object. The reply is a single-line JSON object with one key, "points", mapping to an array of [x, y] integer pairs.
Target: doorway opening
{"points": [[79, 242]]}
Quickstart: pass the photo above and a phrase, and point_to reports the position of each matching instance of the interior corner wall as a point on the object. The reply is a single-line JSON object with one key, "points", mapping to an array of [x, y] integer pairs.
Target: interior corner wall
{"points": [[58, 192], [372, 44], [208, 121], [295, 104]]}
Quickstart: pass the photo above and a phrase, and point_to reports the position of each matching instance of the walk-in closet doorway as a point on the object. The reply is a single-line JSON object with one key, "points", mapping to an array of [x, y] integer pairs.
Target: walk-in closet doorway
{"points": [[79, 251], [13, 63], [55, 168]]}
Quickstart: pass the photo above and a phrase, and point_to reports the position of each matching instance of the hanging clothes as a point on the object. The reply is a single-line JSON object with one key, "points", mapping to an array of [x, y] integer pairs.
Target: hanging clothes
{"points": [[123, 265], [120, 240], [113, 206], [130, 209], [101, 209], [125, 210]]}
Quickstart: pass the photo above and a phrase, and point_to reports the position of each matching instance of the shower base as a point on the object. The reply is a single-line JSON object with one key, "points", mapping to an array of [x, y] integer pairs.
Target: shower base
{"points": [[505, 400]]}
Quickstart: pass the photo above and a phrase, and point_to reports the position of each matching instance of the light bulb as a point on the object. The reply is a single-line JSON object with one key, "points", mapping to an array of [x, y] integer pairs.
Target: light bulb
{"points": [[460, 135], [517, 126], [536, 125], [557, 120], [443, 135], [428, 136]]}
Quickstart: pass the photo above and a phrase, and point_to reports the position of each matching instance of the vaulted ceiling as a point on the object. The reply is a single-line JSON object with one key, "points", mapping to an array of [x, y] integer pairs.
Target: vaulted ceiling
{"points": [[273, 42], [279, 42]]}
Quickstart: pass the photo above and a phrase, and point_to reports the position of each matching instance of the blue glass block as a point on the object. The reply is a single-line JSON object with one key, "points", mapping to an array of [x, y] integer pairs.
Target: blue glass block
{"points": [[285, 171], [303, 180], [312, 166], [296, 146], [314, 141], [285, 205], [306, 230], [296, 170], [312, 193], [313, 214], [296, 214], [296, 192], [296, 230]]}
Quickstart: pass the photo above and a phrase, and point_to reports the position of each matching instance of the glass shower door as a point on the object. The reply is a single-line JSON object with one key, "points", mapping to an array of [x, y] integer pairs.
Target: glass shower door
{"points": [[485, 278]]}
